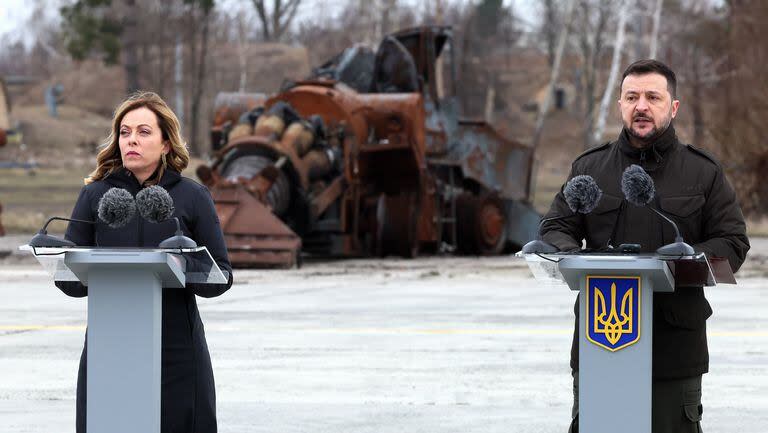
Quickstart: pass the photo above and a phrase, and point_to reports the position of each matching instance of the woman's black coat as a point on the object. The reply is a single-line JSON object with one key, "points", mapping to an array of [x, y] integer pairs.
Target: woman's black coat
{"points": [[188, 391]]}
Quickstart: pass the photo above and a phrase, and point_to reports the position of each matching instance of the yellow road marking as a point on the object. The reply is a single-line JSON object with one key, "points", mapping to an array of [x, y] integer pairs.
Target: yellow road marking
{"points": [[404, 331], [42, 327]]}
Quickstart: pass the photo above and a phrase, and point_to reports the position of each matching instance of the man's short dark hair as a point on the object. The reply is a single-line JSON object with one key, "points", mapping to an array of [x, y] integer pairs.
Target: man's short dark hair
{"points": [[649, 66]]}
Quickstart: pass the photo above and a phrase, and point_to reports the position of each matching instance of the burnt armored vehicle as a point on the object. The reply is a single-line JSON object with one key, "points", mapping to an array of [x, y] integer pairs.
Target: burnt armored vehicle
{"points": [[368, 156], [3, 139], [5, 125]]}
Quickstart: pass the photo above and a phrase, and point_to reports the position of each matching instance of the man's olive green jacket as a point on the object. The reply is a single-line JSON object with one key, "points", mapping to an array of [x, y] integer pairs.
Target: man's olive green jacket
{"points": [[692, 190]]}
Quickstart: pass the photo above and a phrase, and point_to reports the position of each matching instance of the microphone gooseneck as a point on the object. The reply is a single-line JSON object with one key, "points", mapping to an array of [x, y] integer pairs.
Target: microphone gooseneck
{"points": [[156, 205], [582, 194], [639, 189], [43, 239], [116, 208]]}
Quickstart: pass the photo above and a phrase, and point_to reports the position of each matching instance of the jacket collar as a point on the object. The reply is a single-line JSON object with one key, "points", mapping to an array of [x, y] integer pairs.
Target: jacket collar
{"points": [[123, 178], [653, 153]]}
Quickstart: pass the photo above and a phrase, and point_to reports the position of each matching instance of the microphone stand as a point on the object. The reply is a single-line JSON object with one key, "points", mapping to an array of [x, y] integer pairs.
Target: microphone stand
{"points": [[539, 246], [178, 240], [677, 248], [43, 239]]}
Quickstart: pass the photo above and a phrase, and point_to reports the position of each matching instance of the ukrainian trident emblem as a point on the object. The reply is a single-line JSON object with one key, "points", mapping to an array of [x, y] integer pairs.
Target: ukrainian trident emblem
{"points": [[613, 311]]}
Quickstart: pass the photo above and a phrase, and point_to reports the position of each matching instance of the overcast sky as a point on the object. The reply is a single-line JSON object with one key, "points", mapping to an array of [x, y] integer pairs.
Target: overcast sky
{"points": [[14, 14]]}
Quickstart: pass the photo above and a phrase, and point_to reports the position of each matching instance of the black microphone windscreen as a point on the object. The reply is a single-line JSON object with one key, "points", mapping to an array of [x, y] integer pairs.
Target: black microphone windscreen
{"points": [[637, 185], [154, 204], [582, 194], [116, 207]]}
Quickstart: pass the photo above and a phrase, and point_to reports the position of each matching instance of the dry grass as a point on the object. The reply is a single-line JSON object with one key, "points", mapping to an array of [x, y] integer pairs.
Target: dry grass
{"points": [[70, 139], [757, 226], [30, 197], [548, 183]]}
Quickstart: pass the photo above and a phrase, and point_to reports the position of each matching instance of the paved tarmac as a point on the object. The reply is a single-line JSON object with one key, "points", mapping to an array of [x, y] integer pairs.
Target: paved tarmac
{"points": [[431, 345]]}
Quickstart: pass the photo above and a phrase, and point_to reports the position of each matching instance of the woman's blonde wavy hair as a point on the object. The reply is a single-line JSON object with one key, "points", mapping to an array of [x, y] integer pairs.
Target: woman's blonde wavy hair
{"points": [[109, 159]]}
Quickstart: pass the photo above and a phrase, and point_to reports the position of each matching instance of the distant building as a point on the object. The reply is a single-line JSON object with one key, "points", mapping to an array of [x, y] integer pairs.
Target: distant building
{"points": [[563, 96]]}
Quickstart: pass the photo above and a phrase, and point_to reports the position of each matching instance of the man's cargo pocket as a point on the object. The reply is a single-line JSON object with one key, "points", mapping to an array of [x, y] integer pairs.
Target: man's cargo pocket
{"points": [[686, 211], [687, 312], [693, 410], [691, 320], [602, 221]]}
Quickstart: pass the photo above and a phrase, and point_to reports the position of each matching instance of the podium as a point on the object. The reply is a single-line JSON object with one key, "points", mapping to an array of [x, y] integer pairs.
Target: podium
{"points": [[616, 326], [125, 324]]}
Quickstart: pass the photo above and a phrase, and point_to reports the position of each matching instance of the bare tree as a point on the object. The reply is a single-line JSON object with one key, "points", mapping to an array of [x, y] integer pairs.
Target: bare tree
{"points": [[276, 21], [130, 61], [654, 42], [740, 123], [549, 29], [544, 107], [200, 18], [242, 39], [592, 20], [616, 60]]}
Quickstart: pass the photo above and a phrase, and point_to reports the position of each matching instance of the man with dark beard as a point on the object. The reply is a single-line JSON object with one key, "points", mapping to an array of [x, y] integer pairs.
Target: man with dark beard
{"points": [[692, 190]]}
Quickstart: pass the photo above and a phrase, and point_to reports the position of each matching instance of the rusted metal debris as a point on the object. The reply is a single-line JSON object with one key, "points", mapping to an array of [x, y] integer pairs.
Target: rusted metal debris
{"points": [[3, 140], [366, 157]]}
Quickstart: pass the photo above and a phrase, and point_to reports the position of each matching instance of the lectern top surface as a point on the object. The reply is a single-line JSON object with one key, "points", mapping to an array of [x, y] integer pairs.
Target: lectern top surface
{"points": [[201, 268], [60, 250], [691, 270], [604, 255]]}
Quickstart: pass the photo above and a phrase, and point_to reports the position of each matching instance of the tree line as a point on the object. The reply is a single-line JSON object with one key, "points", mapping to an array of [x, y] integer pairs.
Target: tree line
{"points": [[715, 48]]}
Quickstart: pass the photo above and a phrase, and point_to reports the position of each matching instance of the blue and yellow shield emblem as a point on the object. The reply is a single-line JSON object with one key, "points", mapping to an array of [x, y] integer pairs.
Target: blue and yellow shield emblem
{"points": [[613, 311]]}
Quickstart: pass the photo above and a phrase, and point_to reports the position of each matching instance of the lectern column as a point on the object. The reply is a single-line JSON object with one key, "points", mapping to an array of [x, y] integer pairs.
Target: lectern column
{"points": [[124, 329], [615, 333], [615, 386]]}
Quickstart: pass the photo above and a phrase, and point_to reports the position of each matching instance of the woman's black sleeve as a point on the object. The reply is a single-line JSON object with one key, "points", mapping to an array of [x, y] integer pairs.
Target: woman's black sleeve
{"points": [[81, 234], [207, 233]]}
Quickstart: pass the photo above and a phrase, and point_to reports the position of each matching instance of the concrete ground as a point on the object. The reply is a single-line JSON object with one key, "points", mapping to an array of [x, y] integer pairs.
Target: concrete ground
{"points": [[431, 345]]}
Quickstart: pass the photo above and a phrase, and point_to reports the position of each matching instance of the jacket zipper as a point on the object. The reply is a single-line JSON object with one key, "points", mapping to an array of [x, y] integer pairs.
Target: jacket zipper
{"points": [[140, 222]]}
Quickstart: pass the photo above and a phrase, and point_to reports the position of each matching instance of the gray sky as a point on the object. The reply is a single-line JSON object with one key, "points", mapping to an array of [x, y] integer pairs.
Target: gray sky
{"points": [[14, 14]]}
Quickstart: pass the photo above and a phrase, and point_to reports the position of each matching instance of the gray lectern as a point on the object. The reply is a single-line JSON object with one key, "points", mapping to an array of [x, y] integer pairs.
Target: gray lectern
{"points": [[616, 329], [125, 324]]}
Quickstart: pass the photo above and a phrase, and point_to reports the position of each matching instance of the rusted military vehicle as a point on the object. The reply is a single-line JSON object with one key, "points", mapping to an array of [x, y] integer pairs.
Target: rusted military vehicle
{"points": [[5, 125], [367, 156], [3, 139]]}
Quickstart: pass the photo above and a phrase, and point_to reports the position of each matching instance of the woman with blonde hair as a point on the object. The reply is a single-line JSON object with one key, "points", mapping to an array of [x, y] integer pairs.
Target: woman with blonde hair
{"points": [[145, 148]]}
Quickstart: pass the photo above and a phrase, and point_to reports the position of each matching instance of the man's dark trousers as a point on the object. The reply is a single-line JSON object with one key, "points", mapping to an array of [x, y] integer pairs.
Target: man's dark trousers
{"points": [[676, 405]]}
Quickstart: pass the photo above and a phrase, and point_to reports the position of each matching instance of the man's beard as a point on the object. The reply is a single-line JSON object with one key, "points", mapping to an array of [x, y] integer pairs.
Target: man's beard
{"points": [[652, 134]]}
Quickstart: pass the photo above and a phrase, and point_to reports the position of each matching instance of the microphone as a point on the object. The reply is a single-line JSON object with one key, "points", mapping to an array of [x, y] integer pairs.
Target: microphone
{"points": [[156, 206], [116, 208], [639, 189], [582, 196]]}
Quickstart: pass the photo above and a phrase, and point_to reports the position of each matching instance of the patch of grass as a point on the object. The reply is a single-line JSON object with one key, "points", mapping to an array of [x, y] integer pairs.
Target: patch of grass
{"points": [[29, 197], [29, 222], [22, 188], [548, 184]]}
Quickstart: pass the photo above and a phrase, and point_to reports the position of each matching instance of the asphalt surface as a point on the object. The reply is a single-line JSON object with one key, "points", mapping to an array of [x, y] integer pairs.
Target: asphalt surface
{"points": [[431, 345]]}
